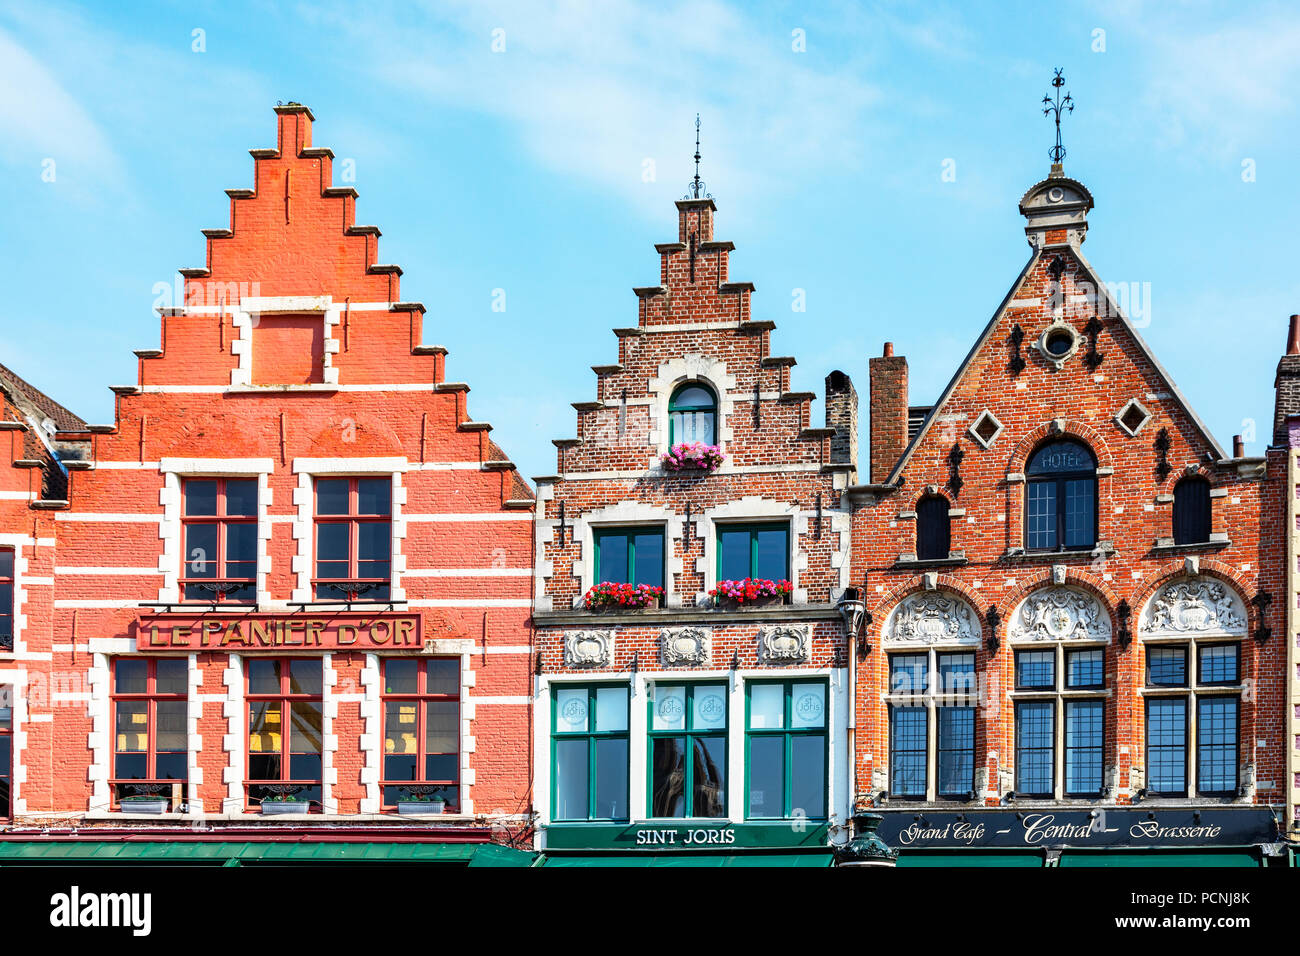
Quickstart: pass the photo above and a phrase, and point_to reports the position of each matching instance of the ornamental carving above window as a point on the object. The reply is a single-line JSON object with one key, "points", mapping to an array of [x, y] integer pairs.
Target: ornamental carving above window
{"points": [[588, 648], [1060, 613], [1195, 606], [785, 644], [684, 645], [933, 618]]}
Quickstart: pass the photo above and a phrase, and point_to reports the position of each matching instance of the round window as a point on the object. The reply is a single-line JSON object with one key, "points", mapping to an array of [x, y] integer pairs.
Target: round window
{"points": [[1060, 342]]}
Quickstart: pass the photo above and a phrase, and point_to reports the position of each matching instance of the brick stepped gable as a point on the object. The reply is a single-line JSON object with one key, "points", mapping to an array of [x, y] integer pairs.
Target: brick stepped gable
{"points": [[696, 305]]}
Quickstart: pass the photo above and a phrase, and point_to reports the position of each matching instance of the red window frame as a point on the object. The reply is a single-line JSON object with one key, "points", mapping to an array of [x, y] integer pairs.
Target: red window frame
{"points": [[222, 520], [353, 519], [8, 556], [151, 783], [420, 698], [7, 764], [286, 698]]}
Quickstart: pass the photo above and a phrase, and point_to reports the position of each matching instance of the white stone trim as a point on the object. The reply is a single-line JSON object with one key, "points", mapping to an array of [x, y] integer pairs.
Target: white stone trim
{"points": [[16, 680], [244, 316], [217, 467], [350, 466], [329, 741], [22, 549], [98, 741], [372, 733], [692, 367], [235, 740], [194, 740]]}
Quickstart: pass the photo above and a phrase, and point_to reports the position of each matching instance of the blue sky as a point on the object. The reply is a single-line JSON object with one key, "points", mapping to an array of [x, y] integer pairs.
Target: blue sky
{"points": [[524, 170]]}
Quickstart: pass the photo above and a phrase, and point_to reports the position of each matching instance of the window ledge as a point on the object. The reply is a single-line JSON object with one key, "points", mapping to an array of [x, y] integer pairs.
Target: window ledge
{"points": [[1166, 546], [906, 562], [1101, 548], [650, 617], [265, 389]]}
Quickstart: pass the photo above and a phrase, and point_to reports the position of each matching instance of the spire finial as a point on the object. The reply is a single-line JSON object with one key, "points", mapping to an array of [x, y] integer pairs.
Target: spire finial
{"points": [[1050, 106], [697, 184]]}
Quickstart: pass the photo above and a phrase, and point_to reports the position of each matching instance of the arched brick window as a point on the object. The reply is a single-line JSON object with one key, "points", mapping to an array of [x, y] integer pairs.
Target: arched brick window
{"points": [[1061, 498], [933, 530], [1192, 511], [693, 415]]}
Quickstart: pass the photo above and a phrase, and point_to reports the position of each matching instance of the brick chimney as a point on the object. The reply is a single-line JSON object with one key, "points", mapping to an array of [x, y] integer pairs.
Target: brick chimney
{"points": [[1287, 385], [842, 415], [888, 411]]}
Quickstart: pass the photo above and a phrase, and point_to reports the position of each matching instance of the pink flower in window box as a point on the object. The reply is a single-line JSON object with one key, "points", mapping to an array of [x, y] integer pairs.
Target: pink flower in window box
{"points": [[692, 456]]}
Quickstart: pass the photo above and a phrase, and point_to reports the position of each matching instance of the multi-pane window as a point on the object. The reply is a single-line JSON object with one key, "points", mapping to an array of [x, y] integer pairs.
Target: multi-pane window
{"points": [[354, 536], [933, 531], [692, 415], [6, 750], [1061, 498], [932, 724], [785, 743], [6, 599], [688, 750], [1193, 718], [753, 551], [630, 556], [150, 743], [421, 702], [1192, 511], [589, 746], [219, 522], [284, 730], [1060, 720]]}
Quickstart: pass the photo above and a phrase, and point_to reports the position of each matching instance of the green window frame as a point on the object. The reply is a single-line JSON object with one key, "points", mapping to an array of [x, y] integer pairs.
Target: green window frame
{"points": [[589, 743], [630, 541], [689, 414], [792, 756], [754, 531], [687, 741]]}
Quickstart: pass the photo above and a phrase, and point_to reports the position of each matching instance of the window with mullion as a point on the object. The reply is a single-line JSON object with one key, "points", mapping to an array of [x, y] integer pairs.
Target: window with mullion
{"points": [[956, 744], [284, 729], [1216, 745], [754, 551], [1035, 748], [1166, 731], [785, 749], [630, 556], [6, 599], [688, 750], [150, 699], [354, 535], [1061, 498], [692, 415], [219, 530], [1084, 743], [421, 702], [6, 750], [589, 752]]}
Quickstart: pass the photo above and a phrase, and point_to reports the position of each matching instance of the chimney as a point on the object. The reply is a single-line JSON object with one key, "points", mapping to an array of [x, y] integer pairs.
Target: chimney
{"points": [[1238, 447], [888, 405], [1286, 385], [842, 415]]}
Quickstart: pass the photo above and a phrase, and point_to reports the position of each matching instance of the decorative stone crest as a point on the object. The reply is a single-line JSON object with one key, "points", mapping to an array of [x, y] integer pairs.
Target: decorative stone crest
{"points": [[1195, 606], [684, 645], [1059, 613], [588, 648], [785, 644], [933, 617]]}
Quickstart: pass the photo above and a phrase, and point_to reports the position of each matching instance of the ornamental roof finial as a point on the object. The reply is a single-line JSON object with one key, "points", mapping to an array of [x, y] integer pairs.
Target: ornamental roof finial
{"points": [[697, 184], [1051, 106]]}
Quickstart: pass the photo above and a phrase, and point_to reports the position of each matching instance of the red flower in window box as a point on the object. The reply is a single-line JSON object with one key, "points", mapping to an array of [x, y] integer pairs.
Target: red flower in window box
{"points": [[692, 456], [752, 590], [610, 594]]}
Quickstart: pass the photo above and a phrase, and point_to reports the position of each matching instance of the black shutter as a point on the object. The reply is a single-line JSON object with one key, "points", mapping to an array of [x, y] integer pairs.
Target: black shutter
{"points": [[1192, 511], [932, 532]]}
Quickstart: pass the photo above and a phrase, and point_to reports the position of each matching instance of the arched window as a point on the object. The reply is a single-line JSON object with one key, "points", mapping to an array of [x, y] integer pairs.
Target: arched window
{"points": [[1061, 498], [692, 415], [1192, 511], [932, 529]]}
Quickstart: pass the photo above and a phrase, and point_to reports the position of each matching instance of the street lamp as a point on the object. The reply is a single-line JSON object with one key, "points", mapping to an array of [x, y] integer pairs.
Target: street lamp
{"points": [[853, 611]]}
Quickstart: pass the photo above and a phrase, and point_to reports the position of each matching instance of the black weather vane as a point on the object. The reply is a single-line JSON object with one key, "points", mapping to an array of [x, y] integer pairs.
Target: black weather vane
{"points": [[697, 184], [1057, 152]]}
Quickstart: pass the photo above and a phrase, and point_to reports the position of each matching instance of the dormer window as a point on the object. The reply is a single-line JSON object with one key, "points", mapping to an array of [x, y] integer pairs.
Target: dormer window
{"points": [[1192, 511], [692, 415], [1061, 498]]}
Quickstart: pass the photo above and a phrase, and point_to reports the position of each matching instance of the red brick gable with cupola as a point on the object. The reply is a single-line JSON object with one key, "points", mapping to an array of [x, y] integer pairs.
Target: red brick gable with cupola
{"points": [[1061, 360], [291, 358]]}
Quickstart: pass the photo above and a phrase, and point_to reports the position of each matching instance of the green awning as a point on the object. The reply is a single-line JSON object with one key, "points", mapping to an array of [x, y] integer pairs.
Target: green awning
{"points": [[243, 853], [691, 859], [964, 858], [1237, 856]]}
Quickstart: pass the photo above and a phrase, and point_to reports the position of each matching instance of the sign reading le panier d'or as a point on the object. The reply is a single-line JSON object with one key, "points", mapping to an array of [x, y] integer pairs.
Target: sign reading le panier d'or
{"points": [[279, 632]]}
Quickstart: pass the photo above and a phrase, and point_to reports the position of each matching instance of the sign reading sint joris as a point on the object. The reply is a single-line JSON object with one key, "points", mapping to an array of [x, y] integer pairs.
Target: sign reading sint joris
{"points": [[261, 632]]}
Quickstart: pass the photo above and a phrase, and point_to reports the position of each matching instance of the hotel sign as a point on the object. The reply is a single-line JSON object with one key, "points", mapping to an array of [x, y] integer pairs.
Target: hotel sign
{"points": [[1100, 828], [280, 632]]}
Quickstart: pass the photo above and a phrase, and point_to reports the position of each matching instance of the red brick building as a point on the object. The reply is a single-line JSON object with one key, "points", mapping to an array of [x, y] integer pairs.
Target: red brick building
{"points": [[1070, 584], [701, 722], [290, 579]]}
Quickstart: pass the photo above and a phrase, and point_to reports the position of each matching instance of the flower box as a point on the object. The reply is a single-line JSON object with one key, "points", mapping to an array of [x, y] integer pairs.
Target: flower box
{"points": [[278, 807], [693, 457], [417, 807], [153, 805], [611, 596], [752, 592]]}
